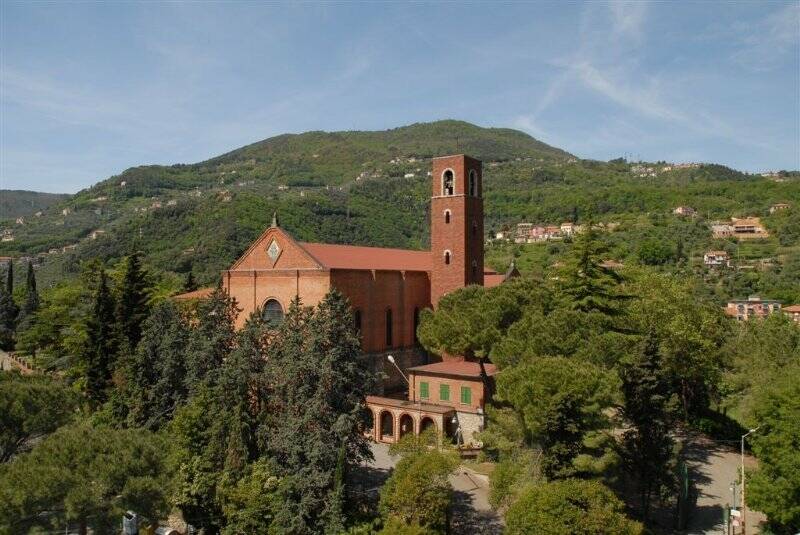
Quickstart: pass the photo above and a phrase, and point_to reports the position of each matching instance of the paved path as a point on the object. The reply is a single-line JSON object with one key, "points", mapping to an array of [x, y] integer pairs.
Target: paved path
{"points": [[472, 514], [714, 466]]}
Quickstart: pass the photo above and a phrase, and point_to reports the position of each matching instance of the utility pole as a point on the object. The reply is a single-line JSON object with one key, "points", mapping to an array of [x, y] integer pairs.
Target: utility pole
{"points": [[744, 504]]}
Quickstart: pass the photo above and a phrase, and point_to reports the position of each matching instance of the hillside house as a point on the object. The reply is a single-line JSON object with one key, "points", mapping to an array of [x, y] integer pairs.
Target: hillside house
{"points": [[96, 234], [778, 207], [66, 211], [748, 228], [752, 307], [685, 211], [793, 311], [568, 228], [716, 259], [523, 232], [8, 235]]}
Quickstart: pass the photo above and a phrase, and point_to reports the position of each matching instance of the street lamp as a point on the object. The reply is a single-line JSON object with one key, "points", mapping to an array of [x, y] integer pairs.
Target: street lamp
{"points": [[390, 358], [744, 504]]}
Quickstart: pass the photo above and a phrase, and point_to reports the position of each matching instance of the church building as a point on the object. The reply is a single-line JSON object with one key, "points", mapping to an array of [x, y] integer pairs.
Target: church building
{"points": [[387, 289]]}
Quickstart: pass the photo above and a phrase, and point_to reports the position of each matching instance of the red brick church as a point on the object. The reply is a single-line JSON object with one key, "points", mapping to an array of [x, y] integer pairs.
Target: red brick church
{"points": [[387, 289]]}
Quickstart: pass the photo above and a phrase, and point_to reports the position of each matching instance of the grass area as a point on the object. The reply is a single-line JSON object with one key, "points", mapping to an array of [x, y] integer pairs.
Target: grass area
{"points": [[486, 468]]}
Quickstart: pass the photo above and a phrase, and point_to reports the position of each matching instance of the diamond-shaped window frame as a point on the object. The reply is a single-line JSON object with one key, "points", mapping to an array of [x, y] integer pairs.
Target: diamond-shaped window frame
{"points": [[274, 251]]}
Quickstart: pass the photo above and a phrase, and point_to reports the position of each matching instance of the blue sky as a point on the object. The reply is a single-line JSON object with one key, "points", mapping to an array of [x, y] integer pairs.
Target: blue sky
{"points": [[90, 89]]}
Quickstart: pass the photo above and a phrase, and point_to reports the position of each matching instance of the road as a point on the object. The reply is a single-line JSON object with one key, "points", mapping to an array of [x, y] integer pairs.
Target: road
{"points": [[472, 513], [714, 466]]}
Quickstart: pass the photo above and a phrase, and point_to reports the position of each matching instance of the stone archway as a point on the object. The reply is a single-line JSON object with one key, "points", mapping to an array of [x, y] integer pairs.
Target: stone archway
{"points": [[406, 424], [386, 431], [426, 424]]}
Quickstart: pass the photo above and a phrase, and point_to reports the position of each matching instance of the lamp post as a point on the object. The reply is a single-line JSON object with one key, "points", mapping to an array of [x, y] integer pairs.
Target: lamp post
{"points": [[744, 504], [390, 358]]}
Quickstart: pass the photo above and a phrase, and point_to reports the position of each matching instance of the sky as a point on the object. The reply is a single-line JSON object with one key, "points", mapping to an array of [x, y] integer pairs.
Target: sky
{"points": [[89, 89]]}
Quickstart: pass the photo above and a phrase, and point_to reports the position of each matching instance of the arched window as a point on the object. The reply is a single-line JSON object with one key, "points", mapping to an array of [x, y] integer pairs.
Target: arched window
{"points": [[473, 183], [447, 216], [357, 321], [272, 313], [388, 327], [448, 182], [447, 258]]}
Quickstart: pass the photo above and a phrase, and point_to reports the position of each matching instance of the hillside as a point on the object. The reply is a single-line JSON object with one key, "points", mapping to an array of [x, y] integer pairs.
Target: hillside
{"points": [[366, 188], [20, 203]]}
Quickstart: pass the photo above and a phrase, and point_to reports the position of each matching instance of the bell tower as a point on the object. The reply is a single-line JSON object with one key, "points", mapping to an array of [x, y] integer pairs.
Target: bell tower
{"points": [[456, 224]]}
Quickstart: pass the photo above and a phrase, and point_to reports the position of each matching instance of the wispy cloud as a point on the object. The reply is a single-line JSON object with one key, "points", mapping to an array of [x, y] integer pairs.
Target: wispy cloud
{"points": [[765, 44]]}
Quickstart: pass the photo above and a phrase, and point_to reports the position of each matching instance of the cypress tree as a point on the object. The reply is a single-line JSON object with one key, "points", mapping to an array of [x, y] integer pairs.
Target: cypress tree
{"points": [[102, 344], [647, 445], [31, 304], [8, 310], [132, 308]]}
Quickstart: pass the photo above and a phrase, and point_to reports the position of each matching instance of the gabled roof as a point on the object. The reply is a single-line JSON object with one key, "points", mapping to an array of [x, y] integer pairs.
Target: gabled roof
{"points": [[792, 309], [202, 293], [333, 256]]}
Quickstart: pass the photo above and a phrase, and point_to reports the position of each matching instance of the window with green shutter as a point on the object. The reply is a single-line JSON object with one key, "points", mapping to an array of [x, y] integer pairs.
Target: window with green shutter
{"points": [[444, 392], [424, 391], [466, 395]]}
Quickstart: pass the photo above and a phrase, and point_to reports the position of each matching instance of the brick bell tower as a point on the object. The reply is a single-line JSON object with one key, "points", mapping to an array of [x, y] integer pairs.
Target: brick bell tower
{"points": [[456, 224]]}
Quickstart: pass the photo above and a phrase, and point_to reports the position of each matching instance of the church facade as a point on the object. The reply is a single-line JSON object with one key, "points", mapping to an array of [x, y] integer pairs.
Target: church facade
{"points": [[387, 289]]}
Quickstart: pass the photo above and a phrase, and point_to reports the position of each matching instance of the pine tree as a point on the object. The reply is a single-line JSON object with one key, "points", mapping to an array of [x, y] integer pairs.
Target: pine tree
{"points": [[647, 445], [587, 284], [212, 340], [8, 310], [189, 285], [102, 343], [154, 376], [31, 304], [132, 307], [317, 387]]}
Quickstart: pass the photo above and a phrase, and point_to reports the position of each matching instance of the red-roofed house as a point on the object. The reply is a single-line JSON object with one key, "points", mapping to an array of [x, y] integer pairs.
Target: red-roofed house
{"points": [[793, 311]]}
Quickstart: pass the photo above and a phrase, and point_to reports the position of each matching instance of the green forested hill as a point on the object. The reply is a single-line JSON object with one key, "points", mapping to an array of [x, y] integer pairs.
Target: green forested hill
{"points": [[16, 203], [364, 188]]}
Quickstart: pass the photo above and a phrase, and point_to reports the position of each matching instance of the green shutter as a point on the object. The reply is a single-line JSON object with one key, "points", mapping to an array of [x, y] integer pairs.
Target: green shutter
{"points": [[444, 392], [424, 393], [466, 395]]}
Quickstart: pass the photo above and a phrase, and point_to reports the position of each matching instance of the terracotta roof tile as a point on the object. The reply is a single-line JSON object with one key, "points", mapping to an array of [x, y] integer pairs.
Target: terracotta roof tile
{"points": [[356, 257], [459, 368], [202, 293], [793, 309]]}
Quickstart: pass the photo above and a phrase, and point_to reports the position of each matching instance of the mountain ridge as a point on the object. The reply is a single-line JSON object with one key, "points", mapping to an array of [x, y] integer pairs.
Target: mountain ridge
{"points": [[363, 188]]}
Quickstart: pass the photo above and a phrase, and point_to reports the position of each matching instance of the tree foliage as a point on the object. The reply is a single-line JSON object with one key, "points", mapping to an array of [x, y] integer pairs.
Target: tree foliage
{"points": [[569, 507], [418, 492], [132, 303], [647, 443], [31, 407], [84, 476], [775, 487], [102, 343], [314, 410]]}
